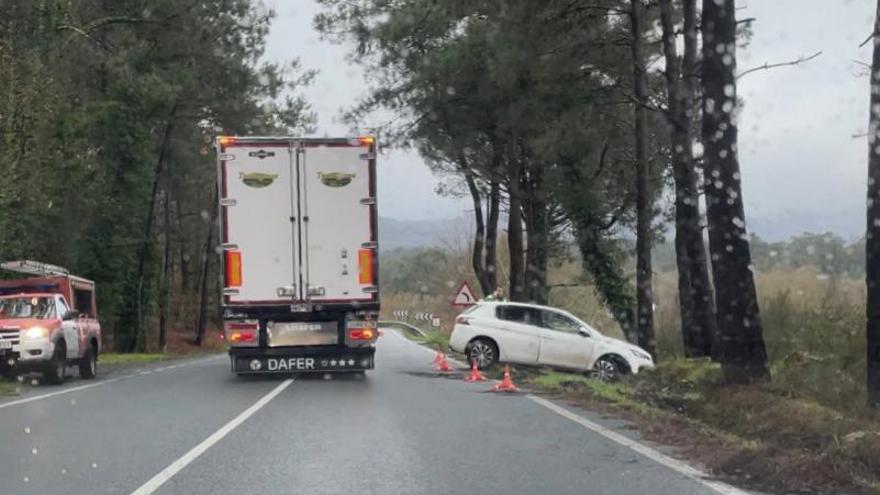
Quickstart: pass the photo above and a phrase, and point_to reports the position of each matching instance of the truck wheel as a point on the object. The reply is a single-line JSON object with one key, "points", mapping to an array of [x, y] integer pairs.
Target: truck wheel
{"points": [[88, 366], [56, 367]]}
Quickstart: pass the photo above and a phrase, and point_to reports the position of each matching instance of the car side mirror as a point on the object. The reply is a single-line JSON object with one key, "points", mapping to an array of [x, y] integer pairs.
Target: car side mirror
{"points": [[71, 314], [584, 332]]}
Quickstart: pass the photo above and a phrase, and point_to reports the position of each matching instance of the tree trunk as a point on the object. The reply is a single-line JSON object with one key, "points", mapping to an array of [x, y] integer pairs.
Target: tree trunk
{"points": [[207, 256], [493, 211], [479, 234], [537, 228], [644, 193], [184, 263], [138, 337], [515, 233], [698, 327], [165, 293], [872, 277], [743, 353]]}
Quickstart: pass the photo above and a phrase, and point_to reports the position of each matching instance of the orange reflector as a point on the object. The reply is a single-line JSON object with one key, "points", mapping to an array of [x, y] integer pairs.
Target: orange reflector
{"points": [[233, 268], [365, 266], [366, 140], [226, 140]]}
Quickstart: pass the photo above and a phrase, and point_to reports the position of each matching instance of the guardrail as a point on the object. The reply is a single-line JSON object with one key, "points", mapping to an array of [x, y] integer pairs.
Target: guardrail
{"points": [[404, 325]]}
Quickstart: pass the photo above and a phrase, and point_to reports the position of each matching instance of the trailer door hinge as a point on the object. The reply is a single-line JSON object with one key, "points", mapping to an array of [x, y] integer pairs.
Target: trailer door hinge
{"points": [[227, 246], [227, 202], [368, 201], [371, 289], [370, 245]]}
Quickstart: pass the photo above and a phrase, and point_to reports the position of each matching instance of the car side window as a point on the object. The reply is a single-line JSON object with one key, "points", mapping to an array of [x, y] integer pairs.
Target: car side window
{"points": [[517, 314], [62, 308], [558, 322]]}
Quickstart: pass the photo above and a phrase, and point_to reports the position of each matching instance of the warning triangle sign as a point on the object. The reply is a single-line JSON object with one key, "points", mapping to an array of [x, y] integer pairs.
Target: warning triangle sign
{"points": [[464, 296]]}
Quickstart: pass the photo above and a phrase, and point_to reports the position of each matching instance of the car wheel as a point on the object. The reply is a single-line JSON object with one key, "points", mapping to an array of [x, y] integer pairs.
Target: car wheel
{"points": [[88, 366], [606, 369], [482, 351], [56, 367]]}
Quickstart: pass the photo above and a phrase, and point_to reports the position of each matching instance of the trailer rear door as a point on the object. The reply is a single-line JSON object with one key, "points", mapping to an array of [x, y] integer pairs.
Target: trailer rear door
{"points": [[338, 199], [259, 232]]}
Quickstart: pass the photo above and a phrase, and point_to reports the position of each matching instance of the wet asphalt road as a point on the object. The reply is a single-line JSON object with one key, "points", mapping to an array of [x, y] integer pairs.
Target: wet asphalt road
{"points": [[191, 428]]}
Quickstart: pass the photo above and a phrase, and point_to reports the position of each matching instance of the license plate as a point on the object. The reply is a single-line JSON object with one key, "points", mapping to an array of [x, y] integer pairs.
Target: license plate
{"points": [[294, 364], [5, 344]]}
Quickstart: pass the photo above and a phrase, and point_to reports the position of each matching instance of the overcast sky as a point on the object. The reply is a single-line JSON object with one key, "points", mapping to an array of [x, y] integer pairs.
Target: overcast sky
{"points": [[802, 168]]}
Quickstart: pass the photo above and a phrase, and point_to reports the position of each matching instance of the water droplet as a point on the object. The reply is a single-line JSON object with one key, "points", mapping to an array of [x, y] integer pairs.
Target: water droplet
{"points": [[72, 402], [27, 480], [729, 90], [27, 430], [94, 465], [63, 471], [35, 451]]}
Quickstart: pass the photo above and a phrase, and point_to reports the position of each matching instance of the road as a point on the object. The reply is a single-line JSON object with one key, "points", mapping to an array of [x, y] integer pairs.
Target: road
{"points": [[192, 428]]}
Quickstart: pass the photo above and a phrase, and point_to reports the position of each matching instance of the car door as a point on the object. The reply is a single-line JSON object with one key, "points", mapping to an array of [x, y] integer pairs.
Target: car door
{"points": [[71, 329], [519, 338], [562, 343]]}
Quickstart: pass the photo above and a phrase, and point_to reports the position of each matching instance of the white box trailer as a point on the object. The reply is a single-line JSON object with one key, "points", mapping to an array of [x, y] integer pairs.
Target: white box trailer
{"points": [[298, 230]]}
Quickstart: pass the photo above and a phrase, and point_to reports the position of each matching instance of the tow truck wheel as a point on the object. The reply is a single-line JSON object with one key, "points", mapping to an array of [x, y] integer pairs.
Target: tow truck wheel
{"points": [[56, 367], [6, 370], [88, 367]]}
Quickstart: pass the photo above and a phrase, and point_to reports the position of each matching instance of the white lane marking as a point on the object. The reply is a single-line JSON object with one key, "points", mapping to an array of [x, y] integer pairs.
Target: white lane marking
{"points": [[60, 392], [663, 459], [175, 467], [81, 387]]}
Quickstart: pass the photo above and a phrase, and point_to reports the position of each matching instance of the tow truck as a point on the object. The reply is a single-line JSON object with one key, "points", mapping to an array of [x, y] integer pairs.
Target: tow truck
{"points": [[48, 321]]}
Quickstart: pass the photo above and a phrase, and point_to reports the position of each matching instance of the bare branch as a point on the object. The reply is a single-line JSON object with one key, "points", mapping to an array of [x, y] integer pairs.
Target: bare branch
{"points": [[871, 36], [767, 66]]}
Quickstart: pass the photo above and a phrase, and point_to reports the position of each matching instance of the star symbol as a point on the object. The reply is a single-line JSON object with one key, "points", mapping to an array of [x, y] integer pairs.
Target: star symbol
{"points": [[351, 362], [333, 363]]}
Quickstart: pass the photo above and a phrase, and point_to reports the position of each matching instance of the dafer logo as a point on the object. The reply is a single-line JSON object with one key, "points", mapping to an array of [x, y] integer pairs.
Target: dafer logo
{"points": [[257, 179]]}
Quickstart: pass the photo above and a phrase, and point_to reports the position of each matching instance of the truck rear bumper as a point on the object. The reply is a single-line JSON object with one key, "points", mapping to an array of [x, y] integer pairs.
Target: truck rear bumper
{"points": [[306, 359]]}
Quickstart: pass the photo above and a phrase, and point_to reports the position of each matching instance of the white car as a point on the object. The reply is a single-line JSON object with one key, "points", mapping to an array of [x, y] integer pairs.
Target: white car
{"points": [[492, 332]]}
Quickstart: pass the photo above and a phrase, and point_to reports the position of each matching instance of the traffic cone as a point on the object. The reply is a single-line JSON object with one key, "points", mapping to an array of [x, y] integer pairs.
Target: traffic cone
{"points": [[437, 358], [443, 365], [506, 384], [475, 375]]}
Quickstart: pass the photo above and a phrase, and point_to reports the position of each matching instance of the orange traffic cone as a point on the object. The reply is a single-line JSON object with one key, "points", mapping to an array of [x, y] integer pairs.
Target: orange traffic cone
{"points": [[443, 365], [438, 356], [506, 384], [475, 375]]}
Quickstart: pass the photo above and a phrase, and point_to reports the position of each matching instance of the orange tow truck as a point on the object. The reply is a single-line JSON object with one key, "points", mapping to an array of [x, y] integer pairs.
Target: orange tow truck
{"points": [[48, 322]]}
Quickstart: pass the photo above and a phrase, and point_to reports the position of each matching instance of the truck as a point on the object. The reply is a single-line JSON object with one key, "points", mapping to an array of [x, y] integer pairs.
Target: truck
{"points": [[299, 251], [48, 321]]}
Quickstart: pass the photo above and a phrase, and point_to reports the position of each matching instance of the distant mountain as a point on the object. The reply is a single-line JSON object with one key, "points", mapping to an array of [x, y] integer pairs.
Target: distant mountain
{"points": [[395, 234]]}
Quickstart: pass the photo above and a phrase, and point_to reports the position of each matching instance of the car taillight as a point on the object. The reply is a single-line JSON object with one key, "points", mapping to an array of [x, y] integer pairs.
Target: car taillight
{"points": [[365, 266], [233, 269], [362, 334], [463, 320]]}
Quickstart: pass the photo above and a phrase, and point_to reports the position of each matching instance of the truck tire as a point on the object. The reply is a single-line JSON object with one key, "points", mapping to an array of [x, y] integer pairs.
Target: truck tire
{"points": [[88, 366], [56, 367]]}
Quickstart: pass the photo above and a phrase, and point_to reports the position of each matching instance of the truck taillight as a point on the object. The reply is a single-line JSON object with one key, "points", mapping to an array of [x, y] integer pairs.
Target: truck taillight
{"points": [[365, 266], [233, 268], [239, 332], [226, 140], [362, 334]]}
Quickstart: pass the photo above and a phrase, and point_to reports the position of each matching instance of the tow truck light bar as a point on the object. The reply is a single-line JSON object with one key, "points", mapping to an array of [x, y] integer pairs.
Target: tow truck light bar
{"points": [[29, 267]]}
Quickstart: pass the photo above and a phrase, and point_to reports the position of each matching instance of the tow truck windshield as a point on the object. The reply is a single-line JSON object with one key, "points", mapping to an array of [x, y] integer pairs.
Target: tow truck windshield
{"points": [[27, 307]]}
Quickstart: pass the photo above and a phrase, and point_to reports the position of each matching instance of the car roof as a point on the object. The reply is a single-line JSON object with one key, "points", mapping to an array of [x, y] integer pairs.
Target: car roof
{"points": [[524, 305]]}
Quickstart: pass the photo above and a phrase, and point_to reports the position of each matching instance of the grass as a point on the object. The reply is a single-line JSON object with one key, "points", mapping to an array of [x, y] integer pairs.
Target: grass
{"points": [[783, 442], [8, 388], [125, 358]]}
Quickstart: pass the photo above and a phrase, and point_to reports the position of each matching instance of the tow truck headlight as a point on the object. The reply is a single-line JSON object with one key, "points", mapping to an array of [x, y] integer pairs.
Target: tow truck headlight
{"points": [[34, 333]]}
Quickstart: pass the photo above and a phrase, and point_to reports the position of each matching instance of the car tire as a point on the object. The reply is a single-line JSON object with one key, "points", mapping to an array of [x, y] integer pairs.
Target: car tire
{"points": [[88, 366], [607, 369], [57, 366], [484, 351]]}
